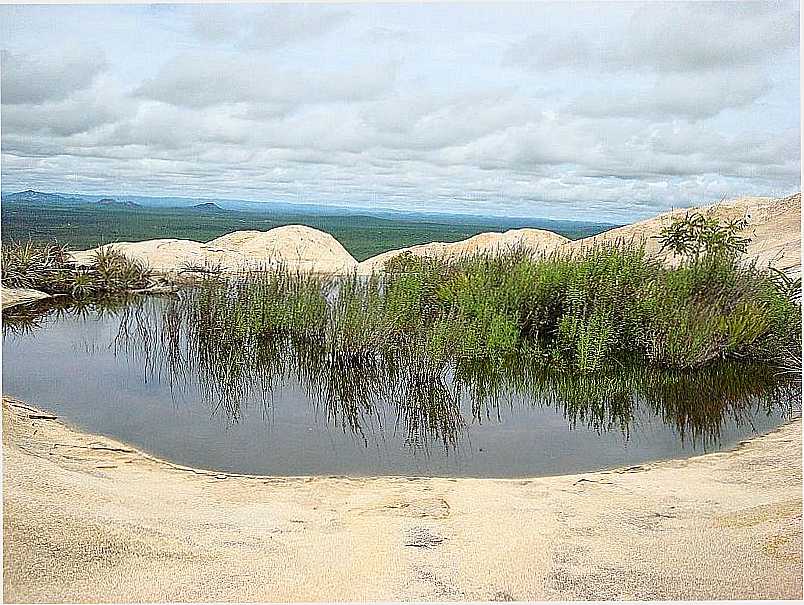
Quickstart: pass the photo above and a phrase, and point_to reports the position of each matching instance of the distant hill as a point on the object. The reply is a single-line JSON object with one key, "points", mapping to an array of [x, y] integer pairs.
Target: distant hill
{"points": [[280, 211], [37, 197], [208, 207], [112, 203]]}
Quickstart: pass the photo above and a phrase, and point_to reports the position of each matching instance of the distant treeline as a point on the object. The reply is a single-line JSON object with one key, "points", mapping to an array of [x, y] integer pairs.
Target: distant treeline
{"points": [[88, 225]]}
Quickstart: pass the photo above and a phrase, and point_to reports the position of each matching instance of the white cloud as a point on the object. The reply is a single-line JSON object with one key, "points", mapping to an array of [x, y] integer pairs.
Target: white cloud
{"points": [[597, 119], [49, 75], [666, 37], [694, 95], [210, 78], [265, 27]]}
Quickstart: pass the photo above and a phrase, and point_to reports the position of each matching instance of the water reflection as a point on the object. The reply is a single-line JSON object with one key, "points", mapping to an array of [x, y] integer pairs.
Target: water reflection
{"points": [[230, 367]]}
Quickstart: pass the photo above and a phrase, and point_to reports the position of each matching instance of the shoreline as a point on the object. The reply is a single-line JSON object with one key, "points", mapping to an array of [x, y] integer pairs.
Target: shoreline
{"points": [[16, 402], [87, 518]]}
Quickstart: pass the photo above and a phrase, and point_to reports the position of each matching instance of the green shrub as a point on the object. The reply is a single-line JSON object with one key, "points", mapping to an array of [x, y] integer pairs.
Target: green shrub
{"points": [[697, 234], [50, 268]]}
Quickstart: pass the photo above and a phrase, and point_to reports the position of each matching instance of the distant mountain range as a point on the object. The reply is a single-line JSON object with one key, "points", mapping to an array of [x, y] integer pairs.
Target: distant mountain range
{"points": [[107, 201], [208, 207], [205, 205], [37, 197]]}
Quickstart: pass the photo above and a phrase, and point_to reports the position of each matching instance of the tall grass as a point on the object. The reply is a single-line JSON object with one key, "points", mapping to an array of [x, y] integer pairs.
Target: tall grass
{"points": [[586, 311]]}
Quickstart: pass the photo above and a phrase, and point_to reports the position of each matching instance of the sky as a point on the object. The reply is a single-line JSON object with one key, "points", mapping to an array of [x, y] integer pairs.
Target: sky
{"points": [[587, 111]]}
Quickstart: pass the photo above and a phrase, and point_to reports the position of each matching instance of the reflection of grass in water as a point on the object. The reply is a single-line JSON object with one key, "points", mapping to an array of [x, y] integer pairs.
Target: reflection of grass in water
{"points": [[182, 341], [350, 388], [696, 403], [23, 319]]}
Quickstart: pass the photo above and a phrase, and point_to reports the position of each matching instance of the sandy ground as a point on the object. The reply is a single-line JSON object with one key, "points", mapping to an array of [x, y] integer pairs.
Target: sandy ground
{"points": [[90, 519], [11, 297], [296, 247]]}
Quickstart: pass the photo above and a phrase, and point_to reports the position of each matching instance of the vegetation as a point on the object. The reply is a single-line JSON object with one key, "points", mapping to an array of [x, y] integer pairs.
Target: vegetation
{"points": [[50, 268], [89, 226], [607, 305], [697, 233]]}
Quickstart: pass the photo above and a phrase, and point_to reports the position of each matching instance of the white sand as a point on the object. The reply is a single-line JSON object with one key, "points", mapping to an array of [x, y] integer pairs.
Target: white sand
{"points": [[294, 246], [89, 519], [11, 297]]}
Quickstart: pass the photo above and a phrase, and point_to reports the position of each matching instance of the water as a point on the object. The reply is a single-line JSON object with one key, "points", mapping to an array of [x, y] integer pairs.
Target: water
{"points": [[132, 374]]}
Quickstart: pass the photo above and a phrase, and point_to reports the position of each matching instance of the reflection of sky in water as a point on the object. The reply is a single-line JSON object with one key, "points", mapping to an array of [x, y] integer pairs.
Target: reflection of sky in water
{"points": [[69, 367]]}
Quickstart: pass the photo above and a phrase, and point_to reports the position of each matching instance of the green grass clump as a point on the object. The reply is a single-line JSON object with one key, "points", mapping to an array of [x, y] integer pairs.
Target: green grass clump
{"points": [[49, 267], [601, 306]]}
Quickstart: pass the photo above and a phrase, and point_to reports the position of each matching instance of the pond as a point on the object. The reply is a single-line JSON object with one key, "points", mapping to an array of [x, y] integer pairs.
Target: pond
{"points": [[131, 372]]}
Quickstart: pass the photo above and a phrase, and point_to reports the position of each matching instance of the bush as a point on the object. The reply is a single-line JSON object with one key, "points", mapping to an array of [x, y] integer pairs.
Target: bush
{"points": [[697, 234], [50, 268]]}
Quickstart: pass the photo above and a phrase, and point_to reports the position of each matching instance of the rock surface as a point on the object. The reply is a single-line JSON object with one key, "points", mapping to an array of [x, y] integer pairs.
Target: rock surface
{"points": [[539, 240], [11, 297], [774, 226], [294, 246], [90, 519]]}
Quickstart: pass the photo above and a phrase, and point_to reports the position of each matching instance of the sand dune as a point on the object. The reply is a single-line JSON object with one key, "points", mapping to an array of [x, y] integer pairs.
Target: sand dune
{"points": [[774, 226], [293, 246], [539, 240]]}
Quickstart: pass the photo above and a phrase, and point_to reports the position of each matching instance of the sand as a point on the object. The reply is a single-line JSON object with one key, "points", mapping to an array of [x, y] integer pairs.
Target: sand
{"points": [[538, 240], [11, 297], [87, 518], [293, 246]]}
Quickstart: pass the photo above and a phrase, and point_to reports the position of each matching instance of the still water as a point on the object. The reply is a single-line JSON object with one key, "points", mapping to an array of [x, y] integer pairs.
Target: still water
{"points": [[130, 373]]}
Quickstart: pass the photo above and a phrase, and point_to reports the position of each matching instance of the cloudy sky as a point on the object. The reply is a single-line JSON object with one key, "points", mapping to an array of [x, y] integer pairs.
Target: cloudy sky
{"points": [[601, 111]]}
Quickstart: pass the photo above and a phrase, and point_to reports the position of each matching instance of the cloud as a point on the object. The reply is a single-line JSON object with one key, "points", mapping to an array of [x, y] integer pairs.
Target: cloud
{"points": [[692, 95], [668, 60], [666, 38], [676, 37], [589, 117], [50, 75], [212, 78], [82, 111], [265, 27]]}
